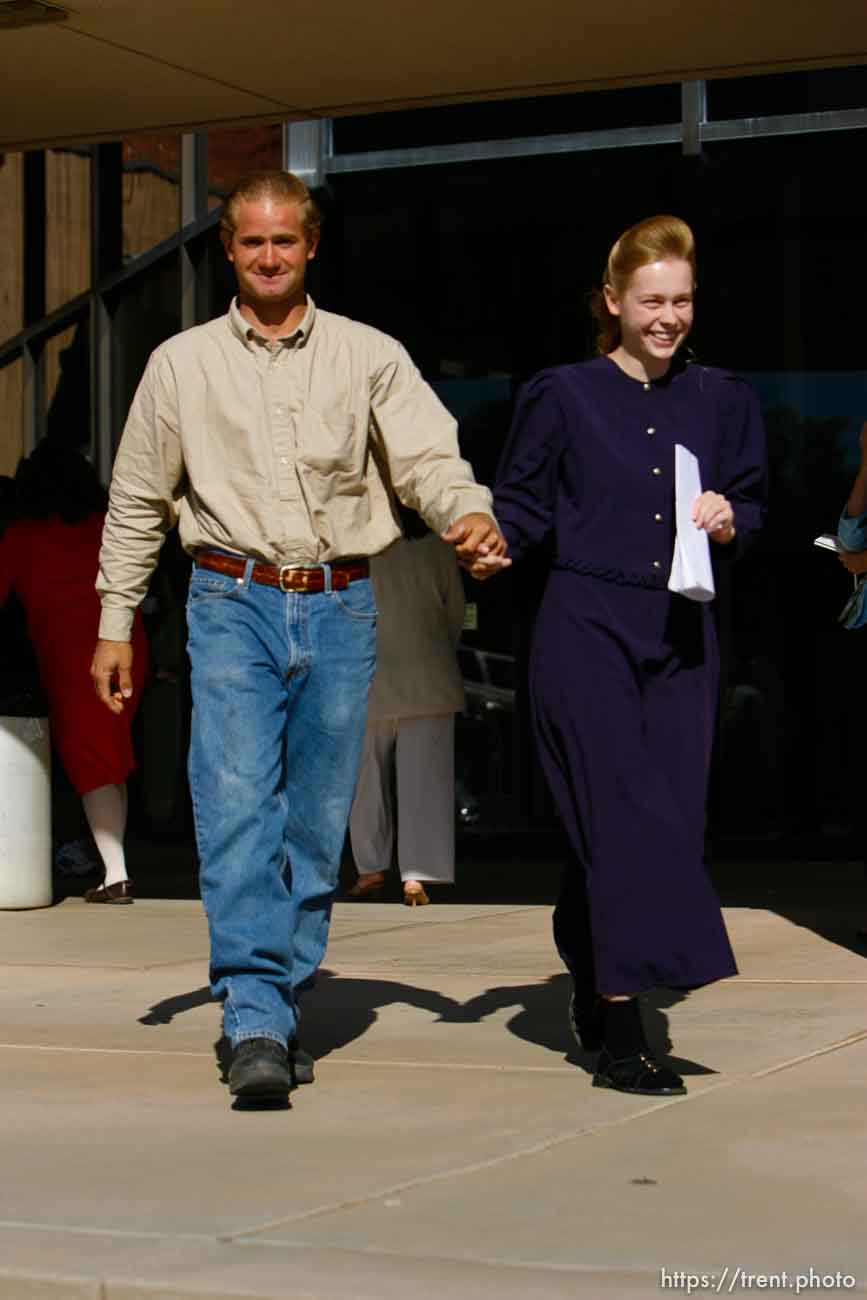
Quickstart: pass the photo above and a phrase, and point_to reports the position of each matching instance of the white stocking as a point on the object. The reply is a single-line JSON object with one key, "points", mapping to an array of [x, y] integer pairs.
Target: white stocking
{"points": [[105, 809]]}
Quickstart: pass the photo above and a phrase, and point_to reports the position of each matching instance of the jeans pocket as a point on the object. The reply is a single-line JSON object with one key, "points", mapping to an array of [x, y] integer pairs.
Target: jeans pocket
{"points": [[205, 584], [357, 600]]}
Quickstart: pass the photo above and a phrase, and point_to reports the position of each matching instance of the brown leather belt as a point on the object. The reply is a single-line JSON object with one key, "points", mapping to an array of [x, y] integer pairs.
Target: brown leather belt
{"points": [[287, 577]]}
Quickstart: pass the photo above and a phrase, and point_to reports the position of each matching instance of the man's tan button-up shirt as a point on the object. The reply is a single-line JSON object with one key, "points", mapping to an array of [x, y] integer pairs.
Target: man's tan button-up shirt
{"points": [[285, 450]]}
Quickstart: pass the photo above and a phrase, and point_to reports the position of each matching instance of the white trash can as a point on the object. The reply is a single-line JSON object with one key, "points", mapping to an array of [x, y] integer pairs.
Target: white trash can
{"points": [[25, 813]]}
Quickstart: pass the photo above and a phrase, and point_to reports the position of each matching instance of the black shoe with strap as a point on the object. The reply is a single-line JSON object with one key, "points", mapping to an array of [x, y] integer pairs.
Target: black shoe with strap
{"points": [[640, 1074], [260, 1070]]}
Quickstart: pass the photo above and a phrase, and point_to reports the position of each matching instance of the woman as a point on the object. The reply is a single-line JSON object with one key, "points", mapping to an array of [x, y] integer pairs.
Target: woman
{"points": [[50, 556], [623, 673], [407, 774]]}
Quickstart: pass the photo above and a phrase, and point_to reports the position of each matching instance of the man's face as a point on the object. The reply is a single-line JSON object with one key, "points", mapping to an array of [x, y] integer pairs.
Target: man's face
{"points": [[269, 249]]}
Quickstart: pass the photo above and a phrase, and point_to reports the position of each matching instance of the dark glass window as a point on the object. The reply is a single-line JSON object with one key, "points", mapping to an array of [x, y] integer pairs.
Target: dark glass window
{"points": [[501, 670], [469, 665], [593, 110], [787, 92], [145, 311], [66, 384]]}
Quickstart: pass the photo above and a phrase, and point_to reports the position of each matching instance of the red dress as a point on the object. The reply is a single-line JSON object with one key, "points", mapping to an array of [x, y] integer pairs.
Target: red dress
{"points": [[52, 566]]}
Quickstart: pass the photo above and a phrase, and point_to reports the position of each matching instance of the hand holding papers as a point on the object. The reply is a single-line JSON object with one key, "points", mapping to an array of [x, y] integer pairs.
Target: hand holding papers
{"points": [[691, 572]]}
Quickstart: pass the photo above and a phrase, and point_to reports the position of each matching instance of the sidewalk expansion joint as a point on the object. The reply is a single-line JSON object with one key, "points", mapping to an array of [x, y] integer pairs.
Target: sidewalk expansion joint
{"points": [[469, 1066], [101, 1051], [94, 967], [536, 1148], [79, 1230], [398, 926]]}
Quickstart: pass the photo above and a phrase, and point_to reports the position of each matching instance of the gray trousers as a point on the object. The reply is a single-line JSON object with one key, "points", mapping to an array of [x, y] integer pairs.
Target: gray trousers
{"points": [[406, 787]]}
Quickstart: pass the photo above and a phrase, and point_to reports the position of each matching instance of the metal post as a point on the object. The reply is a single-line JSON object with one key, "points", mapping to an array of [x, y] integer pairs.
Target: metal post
{"points": [[106, 211], [35, 236], [106, 245], [194, 204], [306, 146], [693, 107], [194, 177], [34, 294]]}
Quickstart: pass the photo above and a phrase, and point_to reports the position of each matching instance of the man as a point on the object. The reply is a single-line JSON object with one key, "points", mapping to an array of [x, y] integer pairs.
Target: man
{"points": [[277, 435]]}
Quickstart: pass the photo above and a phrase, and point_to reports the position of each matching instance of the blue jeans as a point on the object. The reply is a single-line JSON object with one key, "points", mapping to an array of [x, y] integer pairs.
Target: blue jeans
{"points": [[280, 683]]}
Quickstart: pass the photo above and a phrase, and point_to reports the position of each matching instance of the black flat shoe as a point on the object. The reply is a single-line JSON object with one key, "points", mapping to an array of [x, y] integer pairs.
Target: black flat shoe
{"points": [[301, 1064], [637, 1074], [260, 1071], [120, 892], [585, 1021]]}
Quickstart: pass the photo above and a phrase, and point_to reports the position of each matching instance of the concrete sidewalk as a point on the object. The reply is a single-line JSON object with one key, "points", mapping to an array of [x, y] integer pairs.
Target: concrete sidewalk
{"points": [[452, 1144]]}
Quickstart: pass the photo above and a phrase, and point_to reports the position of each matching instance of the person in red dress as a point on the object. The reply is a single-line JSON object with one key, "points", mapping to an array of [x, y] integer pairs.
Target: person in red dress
{"points": [[49, 555]]}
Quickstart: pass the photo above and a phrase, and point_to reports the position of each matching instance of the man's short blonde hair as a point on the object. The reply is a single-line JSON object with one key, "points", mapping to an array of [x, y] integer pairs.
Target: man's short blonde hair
{"points": [[285, 187]]}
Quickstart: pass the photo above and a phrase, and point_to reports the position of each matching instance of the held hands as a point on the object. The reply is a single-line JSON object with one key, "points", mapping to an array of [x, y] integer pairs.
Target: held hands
{"points": [[854, 561], [714, 514], [111, 673], [479, 544]]}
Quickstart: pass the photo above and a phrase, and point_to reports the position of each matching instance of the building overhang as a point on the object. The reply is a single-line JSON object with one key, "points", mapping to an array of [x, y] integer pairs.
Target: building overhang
{"points": [[114, 67]]}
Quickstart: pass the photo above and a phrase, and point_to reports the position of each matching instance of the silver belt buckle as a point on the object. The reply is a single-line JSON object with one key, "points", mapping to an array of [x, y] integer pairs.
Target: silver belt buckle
{"points": [[285, 568]]}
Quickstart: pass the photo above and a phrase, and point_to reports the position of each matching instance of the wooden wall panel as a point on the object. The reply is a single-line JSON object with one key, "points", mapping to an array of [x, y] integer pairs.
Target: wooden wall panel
{"points": [[11, 416], [151, 212], [11, 250], [67, 202]]}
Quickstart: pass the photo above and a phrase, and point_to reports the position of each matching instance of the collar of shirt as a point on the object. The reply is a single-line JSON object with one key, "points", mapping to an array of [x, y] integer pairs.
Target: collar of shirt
{"points": [[249, 335]]}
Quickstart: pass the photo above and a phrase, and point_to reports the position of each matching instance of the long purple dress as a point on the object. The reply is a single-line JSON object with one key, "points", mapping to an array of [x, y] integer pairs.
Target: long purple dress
{"points": [[624, 674]]}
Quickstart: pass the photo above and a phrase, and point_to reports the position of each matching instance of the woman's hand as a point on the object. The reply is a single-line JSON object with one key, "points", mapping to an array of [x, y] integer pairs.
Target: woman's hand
{"points": [[714, 514], [479, 544], [485, 566], [854, 561]]}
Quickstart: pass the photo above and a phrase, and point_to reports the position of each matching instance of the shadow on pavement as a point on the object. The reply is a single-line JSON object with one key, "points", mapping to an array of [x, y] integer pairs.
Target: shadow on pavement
{"points": [[341, 1010]]}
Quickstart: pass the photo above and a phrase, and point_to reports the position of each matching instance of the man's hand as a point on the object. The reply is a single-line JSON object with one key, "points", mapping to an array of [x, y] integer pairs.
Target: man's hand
{"points": [[714, 514], [479, 544], [854, 561], [111, 673]]}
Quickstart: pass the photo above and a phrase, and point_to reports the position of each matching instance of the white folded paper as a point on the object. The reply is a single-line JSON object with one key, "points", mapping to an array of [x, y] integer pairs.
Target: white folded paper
{"points": [[691, 572]]}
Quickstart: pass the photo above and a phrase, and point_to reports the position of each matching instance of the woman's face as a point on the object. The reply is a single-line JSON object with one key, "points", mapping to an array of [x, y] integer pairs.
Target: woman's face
{"points": [[655, 310]]}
